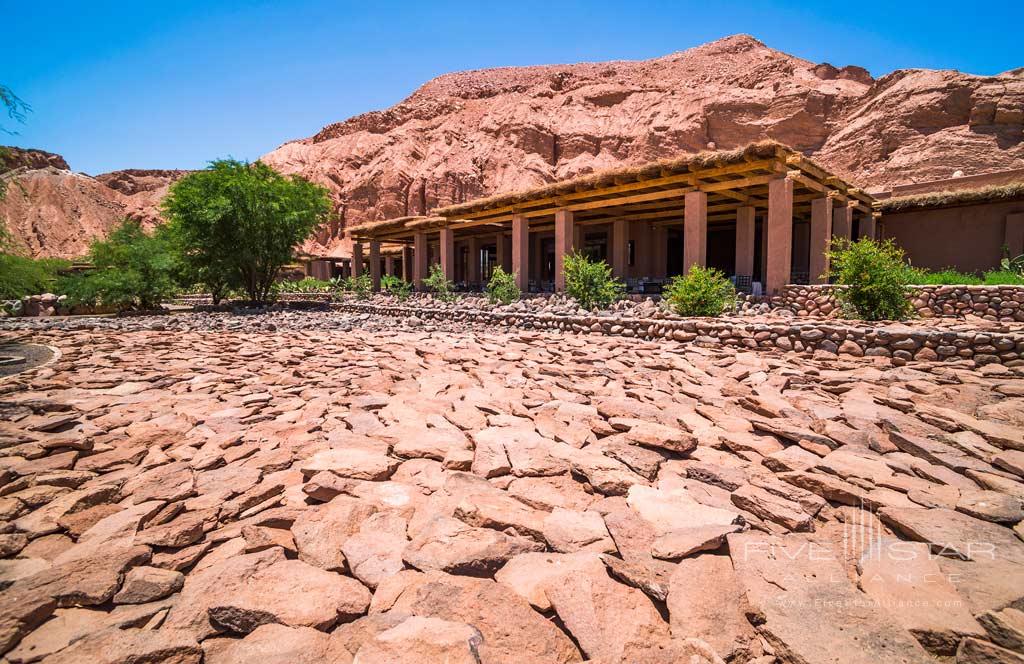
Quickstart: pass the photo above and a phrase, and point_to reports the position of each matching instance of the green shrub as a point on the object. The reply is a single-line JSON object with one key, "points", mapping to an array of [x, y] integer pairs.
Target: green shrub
{"points": [[439, 285], [1012, 265], [591, 283], [21, 276], [502, 287], [132, 270], [396, 286], [876, 277], [1003, 278], [945, 277], [703, 291], [306, 285], [361, 286]]}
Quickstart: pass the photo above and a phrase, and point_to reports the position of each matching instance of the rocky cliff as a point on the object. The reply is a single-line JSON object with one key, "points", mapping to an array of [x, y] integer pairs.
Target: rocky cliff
{"points": [[476, 133]]}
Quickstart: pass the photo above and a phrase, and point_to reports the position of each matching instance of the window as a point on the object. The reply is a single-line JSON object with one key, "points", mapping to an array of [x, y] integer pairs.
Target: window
{"points": [[632, 252]]}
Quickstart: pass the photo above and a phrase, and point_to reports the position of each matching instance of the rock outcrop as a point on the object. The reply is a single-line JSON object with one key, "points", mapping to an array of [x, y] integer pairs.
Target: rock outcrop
{"points": [[476, 133]]}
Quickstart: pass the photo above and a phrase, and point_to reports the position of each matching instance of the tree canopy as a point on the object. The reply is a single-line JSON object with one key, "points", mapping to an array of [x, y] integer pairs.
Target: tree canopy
{"points": [[237, 223]]}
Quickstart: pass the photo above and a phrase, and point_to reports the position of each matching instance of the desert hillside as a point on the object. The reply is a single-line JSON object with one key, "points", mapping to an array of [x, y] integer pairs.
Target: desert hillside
{"points": [[482, 132]]}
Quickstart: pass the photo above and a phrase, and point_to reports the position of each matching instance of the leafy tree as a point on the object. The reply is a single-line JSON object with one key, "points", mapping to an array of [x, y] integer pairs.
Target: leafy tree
{"points": [[439, 285], [238, 223], [132, 269], [876, 276], [502, 287], [591, 283], [21, 275], [16, 110], [703, 291]]}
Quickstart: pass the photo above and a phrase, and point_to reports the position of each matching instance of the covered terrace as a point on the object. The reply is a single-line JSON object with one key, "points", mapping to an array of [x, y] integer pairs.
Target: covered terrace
{"points": [[762, 214]]}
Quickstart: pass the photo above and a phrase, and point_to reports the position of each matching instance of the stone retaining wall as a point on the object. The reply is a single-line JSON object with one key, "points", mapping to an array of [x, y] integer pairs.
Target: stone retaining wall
{"points": [[901, 343], [996, 303], [195, 300]]}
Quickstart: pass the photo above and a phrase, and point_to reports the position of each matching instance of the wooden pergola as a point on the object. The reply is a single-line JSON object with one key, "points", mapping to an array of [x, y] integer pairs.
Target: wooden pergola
{"points": [[640, 205]]}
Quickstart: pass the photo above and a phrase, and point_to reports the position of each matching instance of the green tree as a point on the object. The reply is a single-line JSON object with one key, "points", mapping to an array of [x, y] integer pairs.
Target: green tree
{"points": [[442, 288], [237, 222], [703, 291], [16, 110], [591, 283], [876, 276], [132, 269]]}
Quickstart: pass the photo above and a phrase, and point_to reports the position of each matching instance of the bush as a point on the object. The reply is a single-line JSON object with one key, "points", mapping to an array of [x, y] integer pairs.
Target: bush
{"points": [[396, 286], [703, 291], [876, 276], [306, 285], [236, 223], [1003, 278], [361, 286], [21, 276], [439, 285], [1014, 266], [132, 270], [946, 277], [591, 283], [502, 287]]}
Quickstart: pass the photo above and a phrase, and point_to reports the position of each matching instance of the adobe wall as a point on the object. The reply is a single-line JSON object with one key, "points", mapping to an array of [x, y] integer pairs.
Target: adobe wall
{"points": [[969, 238]]}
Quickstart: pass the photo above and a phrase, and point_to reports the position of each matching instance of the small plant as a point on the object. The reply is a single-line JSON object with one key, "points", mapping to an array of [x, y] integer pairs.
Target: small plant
{"points": [[1014, 265], [703, 291], [306, 285], [362, 286], [876, 276], [439, 284], [591, 283], [396, 286], [502, 287]]}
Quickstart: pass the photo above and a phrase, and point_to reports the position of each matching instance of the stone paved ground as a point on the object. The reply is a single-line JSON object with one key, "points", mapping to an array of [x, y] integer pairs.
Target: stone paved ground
{"points": [[374, 495]]}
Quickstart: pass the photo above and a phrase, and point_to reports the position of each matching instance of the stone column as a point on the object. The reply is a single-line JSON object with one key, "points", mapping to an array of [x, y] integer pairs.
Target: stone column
{"points": [[473, 264], [842, 221], [1013, 235], [375, 265], [419, 271], [521, 251], [620, 248], [780, 234], [357, 259], [821, 234], [745, 237], [564, 238], [695, 230], [389, 265], [447, 242]]}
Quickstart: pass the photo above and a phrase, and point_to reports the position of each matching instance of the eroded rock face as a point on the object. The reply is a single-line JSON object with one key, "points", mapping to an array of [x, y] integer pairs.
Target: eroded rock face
{"points": [[469, 134]]}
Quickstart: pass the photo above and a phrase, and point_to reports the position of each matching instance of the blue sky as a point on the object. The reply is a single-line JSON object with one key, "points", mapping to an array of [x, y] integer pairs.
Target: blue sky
{"points": [[175, 84]]}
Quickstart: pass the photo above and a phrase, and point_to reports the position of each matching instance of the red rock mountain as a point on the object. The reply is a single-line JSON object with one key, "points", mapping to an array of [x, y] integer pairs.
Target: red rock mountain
{"points": [[482, 132]]}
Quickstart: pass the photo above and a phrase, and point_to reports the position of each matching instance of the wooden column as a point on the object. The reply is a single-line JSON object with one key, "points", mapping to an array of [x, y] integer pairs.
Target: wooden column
{"points": [[867, 226], [375, 265], [821, 235], [521, 251], [389, 265], [1013, 234], [780, 234], [407, 263], [745, 232], [695, 230], [620, 248], [357, 259], [503, 253], [419, 270], [473, 264], [447, 251], [564, 238], [659, 251], [842, 221]]}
